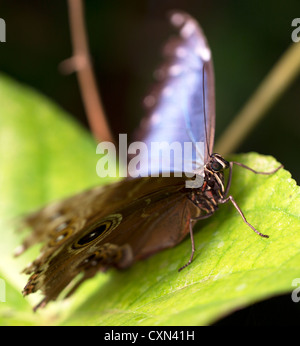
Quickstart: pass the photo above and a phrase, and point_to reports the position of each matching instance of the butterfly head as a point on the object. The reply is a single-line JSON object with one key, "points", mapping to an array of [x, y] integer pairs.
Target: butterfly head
{"points": [[217, 163], [214, 174]]}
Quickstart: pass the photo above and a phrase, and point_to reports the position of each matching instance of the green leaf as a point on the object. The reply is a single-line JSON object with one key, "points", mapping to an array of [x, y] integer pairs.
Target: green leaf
{"points": [[45, 155]]}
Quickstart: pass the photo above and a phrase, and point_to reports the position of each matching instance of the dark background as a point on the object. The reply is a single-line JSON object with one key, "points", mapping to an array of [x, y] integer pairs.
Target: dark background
{"points": [[246, 38]]}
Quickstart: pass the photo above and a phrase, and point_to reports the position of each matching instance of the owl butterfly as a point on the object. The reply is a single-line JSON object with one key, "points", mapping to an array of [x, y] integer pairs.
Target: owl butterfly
{"points": [[118, 224]]}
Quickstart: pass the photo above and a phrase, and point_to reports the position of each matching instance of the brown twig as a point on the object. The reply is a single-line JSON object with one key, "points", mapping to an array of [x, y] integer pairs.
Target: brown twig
{"points": [[272, 87], [80, 62]]}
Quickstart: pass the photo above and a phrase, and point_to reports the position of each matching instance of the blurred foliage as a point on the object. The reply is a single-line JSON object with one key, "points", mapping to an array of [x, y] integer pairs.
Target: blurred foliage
{"points": [[50, 157]]}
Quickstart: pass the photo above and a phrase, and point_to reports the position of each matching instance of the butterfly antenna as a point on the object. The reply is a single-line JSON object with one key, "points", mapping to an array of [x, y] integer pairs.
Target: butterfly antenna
{"points": [[191, 136], [204, 112]]}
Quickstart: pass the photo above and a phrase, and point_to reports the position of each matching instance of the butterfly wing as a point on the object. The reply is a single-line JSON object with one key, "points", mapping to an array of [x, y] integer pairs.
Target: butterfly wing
{"points": [[184, 92], [118, 224], [96, 230]]}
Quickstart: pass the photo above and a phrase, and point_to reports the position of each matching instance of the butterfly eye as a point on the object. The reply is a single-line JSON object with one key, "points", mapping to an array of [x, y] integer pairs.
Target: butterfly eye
{"points": [[216, 166]]}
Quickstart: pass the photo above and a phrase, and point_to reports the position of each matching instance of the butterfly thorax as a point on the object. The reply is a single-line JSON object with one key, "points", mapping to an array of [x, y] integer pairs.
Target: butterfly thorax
{"points": [[207, 196]]}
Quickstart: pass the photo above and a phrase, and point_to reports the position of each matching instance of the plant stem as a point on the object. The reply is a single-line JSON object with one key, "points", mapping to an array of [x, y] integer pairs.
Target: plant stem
{"points": [[80, 62], [270, 90]]}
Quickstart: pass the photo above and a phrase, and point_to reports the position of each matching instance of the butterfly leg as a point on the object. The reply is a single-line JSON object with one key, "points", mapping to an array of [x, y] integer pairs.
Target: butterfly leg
{"points": [[231, 199], [192, 237], [256, 172], [231, 163]]}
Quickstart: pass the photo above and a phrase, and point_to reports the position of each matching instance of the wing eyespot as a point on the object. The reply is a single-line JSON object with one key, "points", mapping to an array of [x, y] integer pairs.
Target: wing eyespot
{"points": [[108, 254], [61, 236], [94, 234], [99, 231]]}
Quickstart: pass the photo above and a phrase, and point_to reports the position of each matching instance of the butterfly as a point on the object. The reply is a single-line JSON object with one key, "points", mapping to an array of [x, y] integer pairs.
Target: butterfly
{"points": [[119, 224]]}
